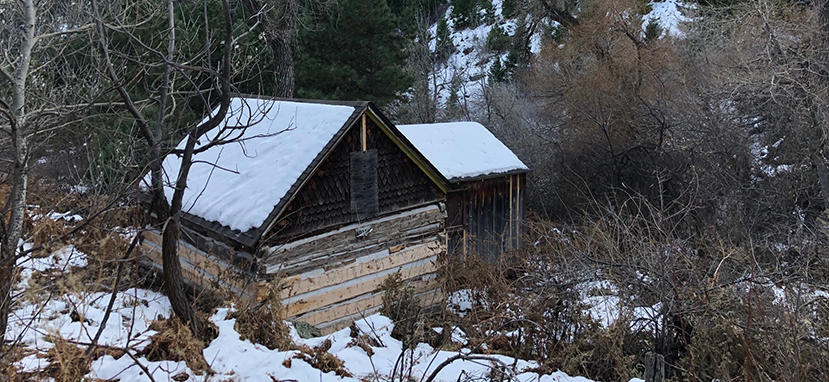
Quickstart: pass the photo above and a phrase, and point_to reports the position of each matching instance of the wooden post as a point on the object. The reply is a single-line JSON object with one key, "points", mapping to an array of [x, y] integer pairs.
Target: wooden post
{"points": [[363, 132], [512, 233], [518, 216], [654, 367]]}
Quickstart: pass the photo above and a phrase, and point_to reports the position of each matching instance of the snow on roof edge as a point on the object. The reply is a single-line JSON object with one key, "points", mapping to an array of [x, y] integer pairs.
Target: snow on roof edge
{"points": [[463, 151], [263, 169]]}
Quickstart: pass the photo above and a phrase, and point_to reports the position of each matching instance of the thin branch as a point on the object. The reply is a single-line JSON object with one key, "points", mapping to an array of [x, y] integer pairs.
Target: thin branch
{"points": [[465, 357], [119, 86], [126, 351], [118, 274], [80, 29], [5, 73]]}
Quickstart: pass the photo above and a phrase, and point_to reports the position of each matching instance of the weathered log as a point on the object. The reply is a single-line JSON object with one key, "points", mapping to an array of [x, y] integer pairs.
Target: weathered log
{"points": [[354, 241]]}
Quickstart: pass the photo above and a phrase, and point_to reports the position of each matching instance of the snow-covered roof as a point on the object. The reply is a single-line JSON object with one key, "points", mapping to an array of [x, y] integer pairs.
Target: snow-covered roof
{"points": [[239, 184], [460, 150]]}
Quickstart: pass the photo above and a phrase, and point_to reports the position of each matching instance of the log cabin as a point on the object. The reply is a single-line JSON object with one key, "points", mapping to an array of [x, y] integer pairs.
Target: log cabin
{"points": [[330, 198]]}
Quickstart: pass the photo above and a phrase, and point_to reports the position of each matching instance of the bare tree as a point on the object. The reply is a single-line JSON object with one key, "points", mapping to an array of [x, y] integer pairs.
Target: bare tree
{"points": [[421, 105], [771, 60], [156, 129], [37, 93]]}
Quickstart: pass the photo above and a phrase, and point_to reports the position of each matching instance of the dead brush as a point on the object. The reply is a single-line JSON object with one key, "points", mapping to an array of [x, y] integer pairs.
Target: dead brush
{"points": [[10, 355], [401, 306], [525, 306], [263, 323], [596, 353], [319, 358], [101, 244], [105, 249], [175, 342], [45, 232], [67, 362], [487, 287], [362, 340]]}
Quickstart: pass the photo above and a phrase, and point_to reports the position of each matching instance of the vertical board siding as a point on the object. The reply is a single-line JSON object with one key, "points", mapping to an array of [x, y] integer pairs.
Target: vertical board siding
{"points": [[495, 215]]}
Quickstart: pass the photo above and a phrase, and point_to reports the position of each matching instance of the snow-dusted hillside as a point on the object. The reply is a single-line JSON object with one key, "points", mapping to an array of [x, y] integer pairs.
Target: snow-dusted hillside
{"points": [[470, 64]]}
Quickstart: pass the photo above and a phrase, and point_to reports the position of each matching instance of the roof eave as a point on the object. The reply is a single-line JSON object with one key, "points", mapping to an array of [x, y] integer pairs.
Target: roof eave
{"points": [[489, 176]]}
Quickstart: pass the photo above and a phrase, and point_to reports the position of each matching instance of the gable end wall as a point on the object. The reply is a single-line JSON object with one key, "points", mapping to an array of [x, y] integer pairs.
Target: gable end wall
{"points": [[325, 201]]}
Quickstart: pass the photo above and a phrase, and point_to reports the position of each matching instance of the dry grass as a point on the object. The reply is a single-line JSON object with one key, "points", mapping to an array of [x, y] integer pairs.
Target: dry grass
{"points": [[175, 342], [68, 363], [320, 358], [100, 239], [8, 356], [524, 306], [401, 306], [263, 323], [46, 232]]}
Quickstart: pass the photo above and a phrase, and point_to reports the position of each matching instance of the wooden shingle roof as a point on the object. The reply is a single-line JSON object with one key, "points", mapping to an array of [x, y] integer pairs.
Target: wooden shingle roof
{"points": [[240, 190]]}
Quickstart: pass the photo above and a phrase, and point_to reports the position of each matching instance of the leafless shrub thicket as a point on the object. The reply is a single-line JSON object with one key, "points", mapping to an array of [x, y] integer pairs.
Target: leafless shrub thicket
{"points": [[712, 309], [689, 174]]}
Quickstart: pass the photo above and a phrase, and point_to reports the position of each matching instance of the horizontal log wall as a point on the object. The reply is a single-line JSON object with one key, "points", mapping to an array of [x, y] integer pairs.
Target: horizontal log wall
{"points": [[341, 246], [326, 299], [333, 278], [205, 271]]}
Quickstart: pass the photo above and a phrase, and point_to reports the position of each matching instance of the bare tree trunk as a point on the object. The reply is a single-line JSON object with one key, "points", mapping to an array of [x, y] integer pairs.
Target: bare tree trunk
{"points": [[819, 108], [173, 278], [14, 231], [168, 212], [16, 203], [277, 22]]}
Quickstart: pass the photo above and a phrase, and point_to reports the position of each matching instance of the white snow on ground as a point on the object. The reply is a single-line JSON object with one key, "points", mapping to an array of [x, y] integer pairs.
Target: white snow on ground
{"points": [[604, 305], [669, 15], [283, 139], [241, 360], [462, 149], [41, 318], [43, 315]]}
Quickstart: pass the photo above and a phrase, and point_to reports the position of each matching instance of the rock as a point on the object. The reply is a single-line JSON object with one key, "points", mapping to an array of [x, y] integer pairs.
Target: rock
{"points": [[306, 330]]}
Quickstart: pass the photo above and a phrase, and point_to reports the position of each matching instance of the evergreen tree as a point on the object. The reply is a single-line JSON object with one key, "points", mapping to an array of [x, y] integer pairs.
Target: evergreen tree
{"points": [[444, 47], [497, 40], [471, 13], [652, 29], [355, 53], [498, 72], [508, 7], [464, 13], [519, 52], [408, 12]]}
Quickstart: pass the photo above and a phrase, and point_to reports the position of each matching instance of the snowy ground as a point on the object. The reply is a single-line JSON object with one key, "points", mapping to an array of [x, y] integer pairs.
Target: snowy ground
{"points": [[669, 14], [76, 317]]}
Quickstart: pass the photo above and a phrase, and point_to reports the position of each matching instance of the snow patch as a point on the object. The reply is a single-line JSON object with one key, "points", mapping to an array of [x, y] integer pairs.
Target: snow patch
{"points": [[669, 15]]}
